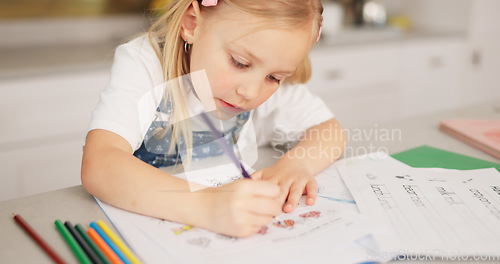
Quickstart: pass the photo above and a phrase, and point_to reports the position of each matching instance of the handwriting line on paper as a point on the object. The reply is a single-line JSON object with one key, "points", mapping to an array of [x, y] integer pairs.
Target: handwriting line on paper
{"points": [[337, 199]]}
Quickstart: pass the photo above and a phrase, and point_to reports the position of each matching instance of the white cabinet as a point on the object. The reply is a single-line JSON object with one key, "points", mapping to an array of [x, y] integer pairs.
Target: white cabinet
{"points": [[375, 83], [44, 121], [358, 83], [51, 165], [431, 75], [482, 80], [35, 107]]}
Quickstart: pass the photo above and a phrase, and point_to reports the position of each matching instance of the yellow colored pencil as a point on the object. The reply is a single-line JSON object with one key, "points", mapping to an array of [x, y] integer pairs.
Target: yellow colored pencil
{"points": [[118, 242]]}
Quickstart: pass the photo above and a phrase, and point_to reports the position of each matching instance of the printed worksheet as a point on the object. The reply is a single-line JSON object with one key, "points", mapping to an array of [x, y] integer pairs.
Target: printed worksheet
{"points": [[309, 231], [427, 211]]}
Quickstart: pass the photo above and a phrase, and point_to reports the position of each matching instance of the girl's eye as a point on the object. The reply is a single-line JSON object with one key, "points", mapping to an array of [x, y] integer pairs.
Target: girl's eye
{"points": [[238, 64], [274, 79]]}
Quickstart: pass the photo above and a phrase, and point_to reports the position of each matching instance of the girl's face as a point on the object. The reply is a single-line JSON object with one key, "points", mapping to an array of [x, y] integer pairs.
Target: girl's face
{"points": [[245, 65]]}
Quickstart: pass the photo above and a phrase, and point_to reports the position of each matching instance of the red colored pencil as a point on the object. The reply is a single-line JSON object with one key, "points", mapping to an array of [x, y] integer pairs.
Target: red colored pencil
{"points": [[38, 239]]}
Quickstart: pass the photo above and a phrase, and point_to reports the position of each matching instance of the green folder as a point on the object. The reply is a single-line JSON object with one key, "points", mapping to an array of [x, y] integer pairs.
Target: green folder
{"points": [[428, 157]]}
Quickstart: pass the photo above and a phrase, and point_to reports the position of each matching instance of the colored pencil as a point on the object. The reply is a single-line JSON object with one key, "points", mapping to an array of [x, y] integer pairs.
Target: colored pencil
{"points": [[104, 247], [224, 145], [86, 247], [80, 254], [38, 239], [118, 242], [110, 243], [92, 244]]}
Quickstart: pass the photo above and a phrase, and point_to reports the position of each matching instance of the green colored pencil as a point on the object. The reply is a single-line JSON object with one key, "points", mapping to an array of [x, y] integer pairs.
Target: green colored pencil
{"points": [[80, 254], [92, 244]]}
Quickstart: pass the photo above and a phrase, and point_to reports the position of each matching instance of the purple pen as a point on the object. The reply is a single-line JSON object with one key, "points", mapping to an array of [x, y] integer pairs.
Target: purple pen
{"points": [[224, 145]]}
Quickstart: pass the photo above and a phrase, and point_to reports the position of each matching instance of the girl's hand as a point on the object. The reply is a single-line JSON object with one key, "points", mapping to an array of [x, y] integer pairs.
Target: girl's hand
{"points": [[293, 181], [241, 208]]}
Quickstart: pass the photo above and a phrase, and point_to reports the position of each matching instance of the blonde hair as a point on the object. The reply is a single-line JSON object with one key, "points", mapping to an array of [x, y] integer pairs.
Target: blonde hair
{"points": [[175, 62]]}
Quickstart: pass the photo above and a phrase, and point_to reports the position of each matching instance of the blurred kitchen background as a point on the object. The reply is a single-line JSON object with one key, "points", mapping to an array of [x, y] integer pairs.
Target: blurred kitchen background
{"points": [[377, 61]]}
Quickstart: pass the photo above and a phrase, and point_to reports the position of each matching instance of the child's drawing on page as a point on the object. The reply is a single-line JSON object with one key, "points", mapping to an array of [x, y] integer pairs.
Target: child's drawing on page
{"points": [[311, 214], [226, 238], [199, 241], [182, 229], [263, 230], [288, 223]]}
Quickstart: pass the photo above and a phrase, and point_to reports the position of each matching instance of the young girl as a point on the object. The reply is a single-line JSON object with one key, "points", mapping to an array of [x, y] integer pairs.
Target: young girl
{"points": [[248, 49]]}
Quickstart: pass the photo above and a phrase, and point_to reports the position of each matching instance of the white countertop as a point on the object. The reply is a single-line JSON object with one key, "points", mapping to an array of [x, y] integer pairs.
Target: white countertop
{"points": [[53, 45], [372, 35], [18, 63]]}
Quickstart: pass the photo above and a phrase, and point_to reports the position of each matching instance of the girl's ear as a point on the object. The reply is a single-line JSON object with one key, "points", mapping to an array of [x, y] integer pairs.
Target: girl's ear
{"points": [[190, 22]]}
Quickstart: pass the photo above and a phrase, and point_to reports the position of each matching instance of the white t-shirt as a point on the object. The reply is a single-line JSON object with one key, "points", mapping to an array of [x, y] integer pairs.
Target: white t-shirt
{"points": [[128, 104]]}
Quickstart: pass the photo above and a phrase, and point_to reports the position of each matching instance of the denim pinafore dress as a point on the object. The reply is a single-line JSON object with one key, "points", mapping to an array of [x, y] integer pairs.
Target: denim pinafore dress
{"points": [[154, 150]]}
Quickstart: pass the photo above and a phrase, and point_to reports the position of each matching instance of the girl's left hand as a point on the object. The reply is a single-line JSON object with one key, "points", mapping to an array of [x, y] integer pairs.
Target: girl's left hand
{"points": [[293, 181]]}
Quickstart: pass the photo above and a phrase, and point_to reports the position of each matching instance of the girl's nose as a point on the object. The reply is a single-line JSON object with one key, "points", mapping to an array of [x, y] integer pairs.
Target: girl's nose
{"points": [[249, 90]]}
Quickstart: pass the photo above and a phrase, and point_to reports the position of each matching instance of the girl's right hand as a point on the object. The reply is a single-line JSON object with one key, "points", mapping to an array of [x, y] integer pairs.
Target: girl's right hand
{"points": [[241, 208]]}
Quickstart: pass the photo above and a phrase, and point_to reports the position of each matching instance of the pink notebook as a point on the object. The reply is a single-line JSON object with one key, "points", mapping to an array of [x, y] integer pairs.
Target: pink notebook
{"points": [[483, 134]]}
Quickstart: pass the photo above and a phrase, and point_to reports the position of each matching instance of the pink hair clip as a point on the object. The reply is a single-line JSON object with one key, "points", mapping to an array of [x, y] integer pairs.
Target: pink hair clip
{"points": [[319, 33], [209, 3]]}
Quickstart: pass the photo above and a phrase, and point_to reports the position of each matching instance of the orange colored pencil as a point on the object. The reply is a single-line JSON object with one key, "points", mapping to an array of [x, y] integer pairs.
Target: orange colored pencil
{"points": [[104, 247]]}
